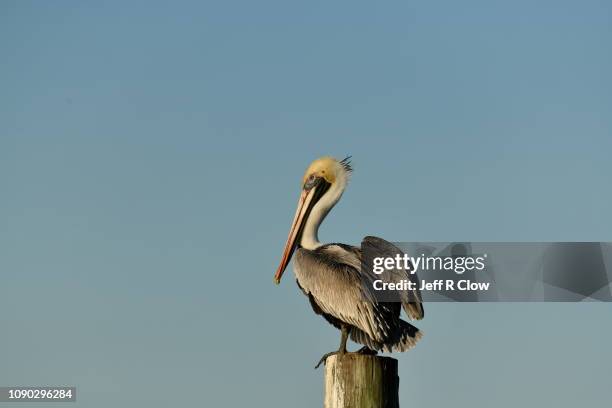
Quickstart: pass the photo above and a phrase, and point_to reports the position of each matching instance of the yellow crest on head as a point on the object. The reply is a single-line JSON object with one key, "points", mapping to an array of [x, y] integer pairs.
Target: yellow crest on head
{"points": [[327, 168]]}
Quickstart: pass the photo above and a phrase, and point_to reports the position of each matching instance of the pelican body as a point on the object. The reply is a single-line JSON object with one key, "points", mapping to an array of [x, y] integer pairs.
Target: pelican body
{"points": [[330, 275]]}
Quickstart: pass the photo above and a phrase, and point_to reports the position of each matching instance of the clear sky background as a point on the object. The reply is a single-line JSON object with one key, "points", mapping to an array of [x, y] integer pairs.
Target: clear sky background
{"points": [[150, 159]]}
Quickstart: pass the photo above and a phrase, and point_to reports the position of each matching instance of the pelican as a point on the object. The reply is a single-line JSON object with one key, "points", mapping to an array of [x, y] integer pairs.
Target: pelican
{"points": [[330, 275]]}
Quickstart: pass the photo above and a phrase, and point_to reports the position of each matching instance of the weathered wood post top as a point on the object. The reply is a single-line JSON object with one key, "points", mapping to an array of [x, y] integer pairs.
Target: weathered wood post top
{"points": [[361, 381]]}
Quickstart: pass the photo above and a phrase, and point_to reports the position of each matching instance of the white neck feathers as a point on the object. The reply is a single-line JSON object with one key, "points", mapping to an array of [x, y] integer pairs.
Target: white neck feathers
{"points": [[310, 239]]}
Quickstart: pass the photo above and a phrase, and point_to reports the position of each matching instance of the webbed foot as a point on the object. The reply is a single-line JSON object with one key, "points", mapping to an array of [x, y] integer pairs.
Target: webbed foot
{"points": [[326, 355], [365, 350]]}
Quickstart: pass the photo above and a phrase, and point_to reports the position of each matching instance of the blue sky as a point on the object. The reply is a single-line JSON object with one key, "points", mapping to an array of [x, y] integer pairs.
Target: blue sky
{"points": [[150, 159]]}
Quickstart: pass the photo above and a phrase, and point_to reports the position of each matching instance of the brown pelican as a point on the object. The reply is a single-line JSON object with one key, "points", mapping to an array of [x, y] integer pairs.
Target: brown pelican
{"points": [[330, 275]]}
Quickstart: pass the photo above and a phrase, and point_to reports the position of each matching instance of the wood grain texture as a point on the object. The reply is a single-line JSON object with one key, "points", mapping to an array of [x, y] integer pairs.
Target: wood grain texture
{"points": [[361, 381]]}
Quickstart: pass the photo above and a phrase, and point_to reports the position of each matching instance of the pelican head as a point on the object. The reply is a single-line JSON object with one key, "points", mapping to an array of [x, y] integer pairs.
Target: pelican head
{"points": [[322, 186]]}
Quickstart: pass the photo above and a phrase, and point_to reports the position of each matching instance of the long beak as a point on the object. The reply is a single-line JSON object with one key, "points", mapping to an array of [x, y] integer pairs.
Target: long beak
{"points": [[301, 214]]}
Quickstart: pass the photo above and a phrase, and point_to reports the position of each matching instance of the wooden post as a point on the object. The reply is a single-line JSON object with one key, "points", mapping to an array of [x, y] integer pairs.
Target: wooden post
{"points": [[361, 381]]}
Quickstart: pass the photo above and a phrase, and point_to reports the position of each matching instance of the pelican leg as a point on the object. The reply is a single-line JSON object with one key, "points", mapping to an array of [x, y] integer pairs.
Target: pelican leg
{"points": [[341, 350]]}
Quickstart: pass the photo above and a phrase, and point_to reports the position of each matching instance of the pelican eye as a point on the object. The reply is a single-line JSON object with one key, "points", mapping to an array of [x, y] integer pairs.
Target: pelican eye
{"points": [[311, 181]]}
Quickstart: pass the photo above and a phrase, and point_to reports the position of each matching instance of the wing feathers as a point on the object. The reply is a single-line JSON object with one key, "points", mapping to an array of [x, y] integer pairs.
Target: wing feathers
{"points": [[331, 277], [378, 247]]}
